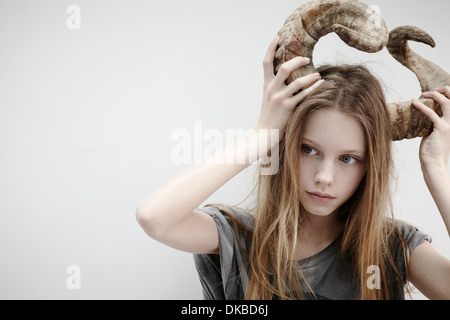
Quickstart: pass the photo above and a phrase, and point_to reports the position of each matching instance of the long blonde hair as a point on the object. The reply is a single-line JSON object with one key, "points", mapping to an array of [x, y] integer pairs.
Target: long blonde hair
{"points": [[367, 215]]}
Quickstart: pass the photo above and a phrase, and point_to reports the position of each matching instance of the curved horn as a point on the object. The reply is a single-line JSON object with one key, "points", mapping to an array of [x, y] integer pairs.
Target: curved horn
{"points": [[407, 121], [429, 75], [354, 22]]}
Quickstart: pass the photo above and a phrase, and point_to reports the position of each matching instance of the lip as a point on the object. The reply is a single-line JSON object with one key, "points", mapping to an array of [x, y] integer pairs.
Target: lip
{"points": [[322, 197]]}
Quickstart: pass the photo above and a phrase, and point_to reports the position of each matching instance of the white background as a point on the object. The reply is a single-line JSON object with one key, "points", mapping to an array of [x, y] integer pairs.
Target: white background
{"points": [[86, 118]]}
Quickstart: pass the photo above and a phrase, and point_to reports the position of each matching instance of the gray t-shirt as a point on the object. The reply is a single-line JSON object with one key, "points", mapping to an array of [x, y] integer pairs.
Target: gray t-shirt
{"points": [[224, 276]]}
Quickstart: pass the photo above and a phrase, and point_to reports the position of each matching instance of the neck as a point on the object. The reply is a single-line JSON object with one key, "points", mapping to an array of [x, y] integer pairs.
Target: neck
{"points": [[323, 229], [317, 234]]}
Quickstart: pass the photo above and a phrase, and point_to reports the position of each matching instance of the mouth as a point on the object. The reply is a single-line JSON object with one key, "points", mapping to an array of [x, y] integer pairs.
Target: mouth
{"points": [[318, 196]]}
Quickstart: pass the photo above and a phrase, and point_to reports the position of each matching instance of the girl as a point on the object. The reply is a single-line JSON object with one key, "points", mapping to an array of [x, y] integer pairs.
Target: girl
{"points": [[323, 225]]}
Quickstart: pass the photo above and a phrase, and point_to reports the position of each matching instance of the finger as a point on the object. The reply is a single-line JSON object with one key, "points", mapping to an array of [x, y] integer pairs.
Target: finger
{"points": [[301, 83], [444, 90], [268, 59], [440, 98], [304, 93], [287, 68], [428, 112]]}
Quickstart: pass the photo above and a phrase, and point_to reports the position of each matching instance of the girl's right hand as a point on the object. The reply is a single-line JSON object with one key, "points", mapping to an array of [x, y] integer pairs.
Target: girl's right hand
{"points": [[279, 100]]}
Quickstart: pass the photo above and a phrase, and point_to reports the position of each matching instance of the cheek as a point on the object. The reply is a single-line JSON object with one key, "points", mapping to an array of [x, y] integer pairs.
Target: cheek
{"points": [[351, 180], [305, 168]]}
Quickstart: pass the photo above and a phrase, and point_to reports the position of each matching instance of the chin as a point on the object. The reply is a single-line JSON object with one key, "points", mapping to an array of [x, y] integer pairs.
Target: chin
{"points": [[321, 211]]}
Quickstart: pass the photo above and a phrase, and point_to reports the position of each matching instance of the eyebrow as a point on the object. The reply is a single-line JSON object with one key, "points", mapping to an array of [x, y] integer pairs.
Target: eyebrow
{"points": [[349, 151]]}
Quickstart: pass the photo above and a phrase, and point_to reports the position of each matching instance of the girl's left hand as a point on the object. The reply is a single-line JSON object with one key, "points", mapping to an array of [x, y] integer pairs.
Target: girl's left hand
{"points": [[435, 148]]}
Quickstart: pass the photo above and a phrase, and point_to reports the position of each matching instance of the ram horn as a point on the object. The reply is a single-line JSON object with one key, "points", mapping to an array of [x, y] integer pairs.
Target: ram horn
{"points": [[354, 22], [407, 121]]}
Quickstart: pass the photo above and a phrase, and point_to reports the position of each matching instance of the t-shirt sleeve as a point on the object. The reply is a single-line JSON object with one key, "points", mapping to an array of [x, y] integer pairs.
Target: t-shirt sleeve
{"points": [[413, 238], [223, 276]]}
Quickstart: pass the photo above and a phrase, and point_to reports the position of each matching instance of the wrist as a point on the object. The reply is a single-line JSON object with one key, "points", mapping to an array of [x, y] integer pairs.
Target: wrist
{"points": [[265, 139], [434, 170], [246, 150]]}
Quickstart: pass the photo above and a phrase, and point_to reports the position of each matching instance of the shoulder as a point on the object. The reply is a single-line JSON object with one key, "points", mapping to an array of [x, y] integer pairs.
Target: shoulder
{"points": [[230, 216], [422, 265], [428, 270], [403, 240], [224, 276], [234, 226], [409, 234]]}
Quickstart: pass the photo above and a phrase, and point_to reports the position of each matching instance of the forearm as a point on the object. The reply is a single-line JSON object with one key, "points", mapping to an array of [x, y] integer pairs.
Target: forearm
{"points": [[438, 182], [176, 200], [179, 196]]}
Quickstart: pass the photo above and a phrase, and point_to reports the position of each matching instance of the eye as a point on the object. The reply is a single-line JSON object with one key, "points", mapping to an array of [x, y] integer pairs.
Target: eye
{"points": [[309, 150], [348, 159]]}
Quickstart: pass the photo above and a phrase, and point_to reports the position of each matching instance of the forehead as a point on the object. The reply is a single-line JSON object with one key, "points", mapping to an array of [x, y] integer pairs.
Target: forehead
{"points": [[334, 129]]}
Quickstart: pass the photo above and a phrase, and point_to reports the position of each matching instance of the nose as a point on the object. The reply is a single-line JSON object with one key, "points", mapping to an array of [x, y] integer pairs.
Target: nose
{"points": [[324, 173]]}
